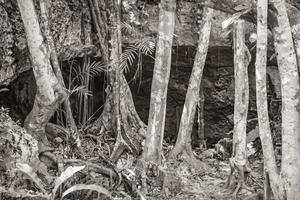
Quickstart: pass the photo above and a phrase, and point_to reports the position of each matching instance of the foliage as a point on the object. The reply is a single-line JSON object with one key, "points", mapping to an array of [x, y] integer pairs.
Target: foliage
{"points": [[81, 76], [144, 47], [94, 187], [26, 169], [65, 175], [68, 173]]}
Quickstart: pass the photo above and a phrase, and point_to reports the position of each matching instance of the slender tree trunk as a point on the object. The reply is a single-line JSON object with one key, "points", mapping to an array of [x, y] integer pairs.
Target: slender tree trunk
{"points": [[262, 103], [115, 55], [287, 63], [85, 97], [267, 187], [241, 94], [70, 122], [156, 122], [49, 92], [183, 143], [201, 134], [241, 101]]}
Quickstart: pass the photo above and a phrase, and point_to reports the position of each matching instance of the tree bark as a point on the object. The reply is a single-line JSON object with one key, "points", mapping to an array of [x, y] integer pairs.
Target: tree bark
{"points": [[132, 129], [115, 55], [156, 122], [200, 120], [242, 58], [183, 142], [262, 103], [241, 94], [70, 122], [287, 63], [49, 92], [296, 38]]}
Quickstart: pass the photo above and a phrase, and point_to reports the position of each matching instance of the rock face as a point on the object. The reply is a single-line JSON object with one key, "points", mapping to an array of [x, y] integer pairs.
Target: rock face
{"points": [[16, 145], [186, 26], [67, 19], [74, 35]]}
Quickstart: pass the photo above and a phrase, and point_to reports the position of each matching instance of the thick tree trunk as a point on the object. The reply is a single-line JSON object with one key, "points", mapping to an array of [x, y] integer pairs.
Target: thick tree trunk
{"points": [[241, 101], [262, 103], [118, 109], [183, 143], [49, 92], [156, 122], [287, 63]]}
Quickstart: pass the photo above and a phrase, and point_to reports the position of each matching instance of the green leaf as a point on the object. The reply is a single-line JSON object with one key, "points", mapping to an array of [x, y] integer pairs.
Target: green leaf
{"points": [[26, 169], [68, 173], [94, 187]]}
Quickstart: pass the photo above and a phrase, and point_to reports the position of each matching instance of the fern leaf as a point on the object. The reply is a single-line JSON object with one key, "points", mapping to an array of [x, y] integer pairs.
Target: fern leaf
{"points": [[127, 28]]}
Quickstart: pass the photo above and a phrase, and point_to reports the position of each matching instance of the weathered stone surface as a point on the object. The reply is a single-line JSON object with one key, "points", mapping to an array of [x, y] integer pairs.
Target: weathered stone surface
{"points": [[66, 21], [186, 25], [16, 145]]}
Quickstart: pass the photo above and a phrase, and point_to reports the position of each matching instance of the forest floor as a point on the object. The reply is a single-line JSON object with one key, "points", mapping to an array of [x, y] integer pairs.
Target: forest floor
{"points": [[179, 180], [211, 185]]}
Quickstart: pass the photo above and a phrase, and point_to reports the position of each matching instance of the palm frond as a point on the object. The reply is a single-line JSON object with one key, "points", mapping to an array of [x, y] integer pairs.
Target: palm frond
{"points": [[96, 68], [145, 47], [92, 69], [128, 29]]}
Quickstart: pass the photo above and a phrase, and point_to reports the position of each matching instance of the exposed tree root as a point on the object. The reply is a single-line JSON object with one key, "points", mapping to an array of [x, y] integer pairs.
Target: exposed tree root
{"points": [[132, 127], [242, 171], [186, 154], [54, 131]]}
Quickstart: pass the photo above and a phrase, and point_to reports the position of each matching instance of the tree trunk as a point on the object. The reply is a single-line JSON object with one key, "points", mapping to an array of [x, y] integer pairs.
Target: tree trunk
{"points": [[49, 92], [115, 55], [262, 102], [296, 37], [70, 122], [156, 122], [200, 120], [241, 94], [131, 129], [241, 101], [183, 142], [287, 63]]}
